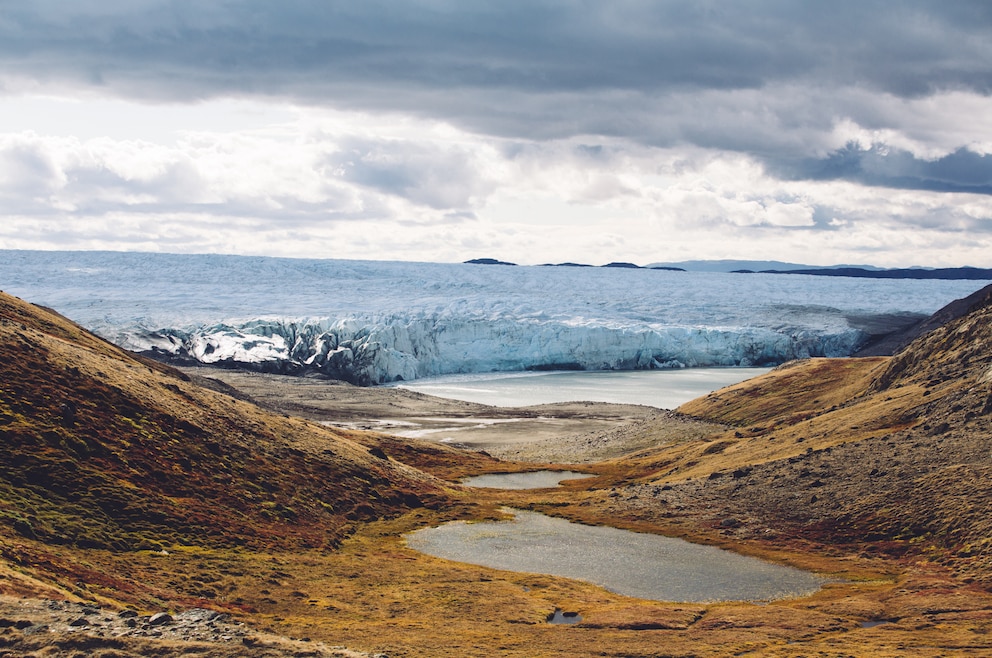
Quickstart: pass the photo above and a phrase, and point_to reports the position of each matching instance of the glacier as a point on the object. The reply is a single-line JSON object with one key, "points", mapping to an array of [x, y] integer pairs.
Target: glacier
{"points": [[372, 322]]}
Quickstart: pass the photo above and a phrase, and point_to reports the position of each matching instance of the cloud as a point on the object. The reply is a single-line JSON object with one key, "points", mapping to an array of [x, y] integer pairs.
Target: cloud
{"points": [[774, 78], [441, 176], [304, 47], [879, 165], [546, 128], [312, 50]]}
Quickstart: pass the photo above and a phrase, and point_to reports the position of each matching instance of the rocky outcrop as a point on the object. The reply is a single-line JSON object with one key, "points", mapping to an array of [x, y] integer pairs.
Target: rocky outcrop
{"points": [[63, 628]]}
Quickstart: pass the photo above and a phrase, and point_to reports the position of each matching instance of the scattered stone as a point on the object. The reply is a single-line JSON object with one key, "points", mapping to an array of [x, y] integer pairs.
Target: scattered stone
{"points": [[54, 621], [160, 618]]}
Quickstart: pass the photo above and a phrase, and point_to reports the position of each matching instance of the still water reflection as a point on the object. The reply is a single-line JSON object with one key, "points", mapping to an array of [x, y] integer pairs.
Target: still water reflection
{"points": [[528, 480], [665, 389], [629, 563]]}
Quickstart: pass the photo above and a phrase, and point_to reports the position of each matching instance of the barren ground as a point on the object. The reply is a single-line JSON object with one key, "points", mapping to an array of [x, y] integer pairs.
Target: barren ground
{"points": [[573, 432]]}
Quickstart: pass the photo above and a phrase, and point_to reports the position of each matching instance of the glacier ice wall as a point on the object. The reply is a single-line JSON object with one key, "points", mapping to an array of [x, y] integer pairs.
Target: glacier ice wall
{"points": [[404, 348], [371, 322]]}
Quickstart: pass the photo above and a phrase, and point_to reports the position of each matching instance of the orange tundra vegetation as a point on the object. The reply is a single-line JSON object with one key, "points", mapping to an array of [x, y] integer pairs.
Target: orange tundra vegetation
{"points": [[124, 483]]}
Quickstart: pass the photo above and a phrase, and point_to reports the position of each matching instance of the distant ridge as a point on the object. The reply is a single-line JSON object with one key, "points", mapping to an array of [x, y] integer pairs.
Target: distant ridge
{"points": [[862, 271], [487, 261], [945, 273], [734, 265]]}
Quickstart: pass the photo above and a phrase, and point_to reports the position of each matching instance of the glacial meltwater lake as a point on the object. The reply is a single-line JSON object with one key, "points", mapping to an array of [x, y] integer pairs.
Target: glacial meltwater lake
{"points": [[629, 563], [524, 480], [665, 389]]}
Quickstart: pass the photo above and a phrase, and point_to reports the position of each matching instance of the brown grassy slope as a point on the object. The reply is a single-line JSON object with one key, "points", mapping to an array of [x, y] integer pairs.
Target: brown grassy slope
{"points": [[148, 459], [881, 454]]}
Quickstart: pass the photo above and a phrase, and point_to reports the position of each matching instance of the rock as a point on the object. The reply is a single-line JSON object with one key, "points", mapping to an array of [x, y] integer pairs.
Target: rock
{"points": [[741, 472], [199, 615], [79, 621], [160, 618]]}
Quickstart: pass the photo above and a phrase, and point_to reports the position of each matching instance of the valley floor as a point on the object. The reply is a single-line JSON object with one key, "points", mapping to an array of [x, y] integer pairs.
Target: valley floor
{"points": [[574, 432], [375, 595], [881, 603]]}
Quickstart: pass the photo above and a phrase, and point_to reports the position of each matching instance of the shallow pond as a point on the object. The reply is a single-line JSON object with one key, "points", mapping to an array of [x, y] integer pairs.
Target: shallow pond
{"points": [[528, 480], [629, 563]]}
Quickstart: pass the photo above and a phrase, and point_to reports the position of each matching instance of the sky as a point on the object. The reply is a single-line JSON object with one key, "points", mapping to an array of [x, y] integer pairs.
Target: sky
{"points": [[529, 131]]}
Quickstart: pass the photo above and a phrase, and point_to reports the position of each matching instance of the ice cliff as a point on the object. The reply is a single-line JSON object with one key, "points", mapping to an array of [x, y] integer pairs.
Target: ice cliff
{"points": [[404, 348], [371, 322]]}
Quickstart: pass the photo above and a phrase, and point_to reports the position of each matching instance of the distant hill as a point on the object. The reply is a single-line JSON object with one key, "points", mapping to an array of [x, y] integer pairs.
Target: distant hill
{"points": [[863, 271], [487, 261], [732, 265], [945, 273]]}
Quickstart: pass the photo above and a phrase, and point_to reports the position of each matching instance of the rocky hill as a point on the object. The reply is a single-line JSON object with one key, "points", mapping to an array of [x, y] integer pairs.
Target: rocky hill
{"points": [[892, 456], [103, 449]]}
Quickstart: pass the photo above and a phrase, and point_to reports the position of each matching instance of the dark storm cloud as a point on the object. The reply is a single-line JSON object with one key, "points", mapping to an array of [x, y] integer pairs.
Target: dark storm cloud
{"points": [[960, 171], [307, 48], [660, 73]]}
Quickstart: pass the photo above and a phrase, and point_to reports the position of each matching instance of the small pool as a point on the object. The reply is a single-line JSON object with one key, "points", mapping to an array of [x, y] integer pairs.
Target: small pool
{"points": [[528, 480], [630, 563]]}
